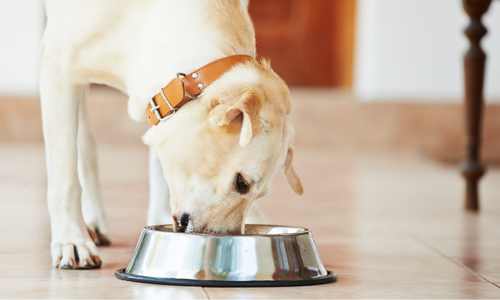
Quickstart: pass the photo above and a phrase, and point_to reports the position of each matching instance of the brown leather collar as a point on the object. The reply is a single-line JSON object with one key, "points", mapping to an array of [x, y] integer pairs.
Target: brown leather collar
{"points": [[187, 87]]}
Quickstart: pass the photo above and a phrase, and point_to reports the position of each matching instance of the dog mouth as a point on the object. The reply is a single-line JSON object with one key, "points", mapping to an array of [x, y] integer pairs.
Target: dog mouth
{"points": [[184, 226], [178, 226], [191, 229]]}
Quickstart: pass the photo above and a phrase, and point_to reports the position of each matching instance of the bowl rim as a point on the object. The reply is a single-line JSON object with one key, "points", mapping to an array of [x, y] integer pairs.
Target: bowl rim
{"points": [[305, 231]]}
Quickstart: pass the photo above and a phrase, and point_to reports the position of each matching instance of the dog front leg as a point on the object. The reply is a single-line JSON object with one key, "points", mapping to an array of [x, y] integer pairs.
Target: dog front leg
{"points": [[71, 245], [159, 196], [93, 211]]}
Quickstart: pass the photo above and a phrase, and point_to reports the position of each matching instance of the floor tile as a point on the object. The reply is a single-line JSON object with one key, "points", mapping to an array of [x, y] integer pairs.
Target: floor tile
{"points": [[352, 288], [391, 226], [478, 253], [394, 268], [59, 286]]}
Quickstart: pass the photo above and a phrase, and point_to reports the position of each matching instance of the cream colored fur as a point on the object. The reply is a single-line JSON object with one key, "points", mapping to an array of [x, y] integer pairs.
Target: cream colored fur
{"points": [[238, 125]]}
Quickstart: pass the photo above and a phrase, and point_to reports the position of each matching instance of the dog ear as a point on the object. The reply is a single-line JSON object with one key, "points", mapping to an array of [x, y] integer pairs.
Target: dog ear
{"points": [[238, 106], [290, 175]]}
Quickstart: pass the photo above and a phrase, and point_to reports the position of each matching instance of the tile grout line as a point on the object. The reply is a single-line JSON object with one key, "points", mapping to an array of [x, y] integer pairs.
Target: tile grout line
{"points": [[442, 254], [454, 261], [205, 291]]}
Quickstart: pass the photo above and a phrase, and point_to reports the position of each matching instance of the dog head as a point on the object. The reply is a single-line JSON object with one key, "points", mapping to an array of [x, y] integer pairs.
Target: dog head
{"points": [[220, 152]]}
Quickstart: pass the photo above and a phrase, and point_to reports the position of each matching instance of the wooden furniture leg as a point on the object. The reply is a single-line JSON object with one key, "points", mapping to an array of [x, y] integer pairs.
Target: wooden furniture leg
{"points": [[474, 62]]}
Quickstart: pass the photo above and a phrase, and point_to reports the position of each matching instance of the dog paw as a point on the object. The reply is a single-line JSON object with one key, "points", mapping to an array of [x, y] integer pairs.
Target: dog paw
{"points": [[99, 238], [70, 256]]}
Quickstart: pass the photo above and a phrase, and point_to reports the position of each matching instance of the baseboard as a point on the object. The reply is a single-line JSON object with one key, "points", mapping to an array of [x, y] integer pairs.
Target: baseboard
{"points": [[437, 130], [329, 122]]}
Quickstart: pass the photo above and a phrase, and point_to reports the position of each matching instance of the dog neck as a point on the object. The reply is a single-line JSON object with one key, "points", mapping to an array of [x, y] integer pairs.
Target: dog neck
{"points": [[184, 87]]}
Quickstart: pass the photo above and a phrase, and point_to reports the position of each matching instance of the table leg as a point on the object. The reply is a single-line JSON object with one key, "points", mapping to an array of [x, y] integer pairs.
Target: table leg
{"points": [[474, 63]]}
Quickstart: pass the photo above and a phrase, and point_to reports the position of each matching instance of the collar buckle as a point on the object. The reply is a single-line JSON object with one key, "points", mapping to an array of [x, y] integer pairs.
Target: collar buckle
{"points": [[155, 108]]}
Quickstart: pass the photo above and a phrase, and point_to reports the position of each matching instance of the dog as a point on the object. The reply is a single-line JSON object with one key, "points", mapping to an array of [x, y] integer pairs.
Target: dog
{"points": [[209, 161]]}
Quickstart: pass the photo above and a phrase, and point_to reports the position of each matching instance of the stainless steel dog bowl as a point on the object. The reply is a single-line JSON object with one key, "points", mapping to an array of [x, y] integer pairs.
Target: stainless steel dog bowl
{"points": [[265, 255]]}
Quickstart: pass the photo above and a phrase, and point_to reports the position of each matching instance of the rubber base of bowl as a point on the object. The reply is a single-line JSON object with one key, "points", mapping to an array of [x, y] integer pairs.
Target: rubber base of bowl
{"points": [[120, 274]]}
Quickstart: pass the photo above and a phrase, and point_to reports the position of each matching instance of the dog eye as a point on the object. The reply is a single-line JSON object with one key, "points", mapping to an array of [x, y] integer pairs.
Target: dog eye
{"points": [[241, 185]]}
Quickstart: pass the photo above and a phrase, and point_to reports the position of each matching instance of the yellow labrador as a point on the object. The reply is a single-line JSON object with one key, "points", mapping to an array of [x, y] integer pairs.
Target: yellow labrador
{"points": [[209, 162]]}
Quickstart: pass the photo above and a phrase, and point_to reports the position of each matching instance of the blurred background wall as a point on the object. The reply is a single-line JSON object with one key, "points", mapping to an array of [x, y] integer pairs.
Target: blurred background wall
{"points": [[384, 49], [364, 74], [412, 50], [21, 27], [408, 50]]}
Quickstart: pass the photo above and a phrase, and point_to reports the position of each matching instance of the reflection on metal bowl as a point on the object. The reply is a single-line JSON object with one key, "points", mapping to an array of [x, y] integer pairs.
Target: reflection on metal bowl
{"points": [[266, 255]]}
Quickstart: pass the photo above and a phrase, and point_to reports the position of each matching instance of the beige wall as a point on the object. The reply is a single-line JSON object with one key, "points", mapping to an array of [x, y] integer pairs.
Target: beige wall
{"points": [[21, 27], [411, 50]]}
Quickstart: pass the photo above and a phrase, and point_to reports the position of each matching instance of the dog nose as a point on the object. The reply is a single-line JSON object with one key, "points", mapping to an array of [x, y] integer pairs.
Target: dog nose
{"points": [[184, 220]]}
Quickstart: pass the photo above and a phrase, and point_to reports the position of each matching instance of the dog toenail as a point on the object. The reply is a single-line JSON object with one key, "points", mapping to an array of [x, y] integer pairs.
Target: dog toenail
{"points": [[59, 260], [71, 262], [92, 234], [85, 262], [97, 260]]}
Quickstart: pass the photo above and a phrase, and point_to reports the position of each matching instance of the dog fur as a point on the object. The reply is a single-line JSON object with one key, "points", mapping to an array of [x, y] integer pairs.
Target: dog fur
{"points": [[209, 162]]}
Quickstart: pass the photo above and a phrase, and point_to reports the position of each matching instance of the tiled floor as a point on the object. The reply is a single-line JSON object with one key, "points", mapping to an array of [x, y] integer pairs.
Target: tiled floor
{"points": [[390, 225]]}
